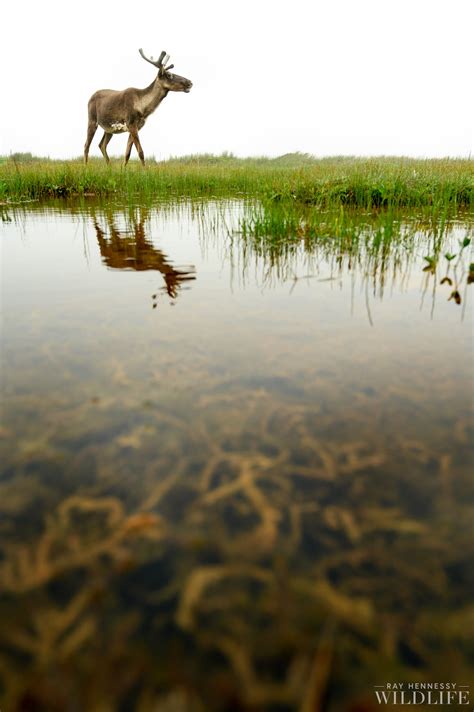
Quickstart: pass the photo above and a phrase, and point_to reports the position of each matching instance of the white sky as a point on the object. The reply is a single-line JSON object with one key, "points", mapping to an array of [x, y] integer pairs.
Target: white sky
{"points": [[360, 77]]}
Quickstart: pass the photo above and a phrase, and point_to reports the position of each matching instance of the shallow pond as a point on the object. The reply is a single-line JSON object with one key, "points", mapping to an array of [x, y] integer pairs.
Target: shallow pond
{"points": [[235, 473]]}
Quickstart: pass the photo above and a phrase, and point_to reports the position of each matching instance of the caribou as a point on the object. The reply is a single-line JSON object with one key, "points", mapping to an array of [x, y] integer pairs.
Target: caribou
{"points": [[120, 111]]}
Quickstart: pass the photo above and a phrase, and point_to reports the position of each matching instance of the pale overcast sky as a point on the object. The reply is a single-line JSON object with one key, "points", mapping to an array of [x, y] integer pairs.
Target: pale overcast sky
{"points": [[358, 77]]}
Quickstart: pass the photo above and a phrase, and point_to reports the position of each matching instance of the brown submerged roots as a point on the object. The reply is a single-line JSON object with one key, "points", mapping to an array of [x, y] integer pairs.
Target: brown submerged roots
{"points": [[257, 539]]}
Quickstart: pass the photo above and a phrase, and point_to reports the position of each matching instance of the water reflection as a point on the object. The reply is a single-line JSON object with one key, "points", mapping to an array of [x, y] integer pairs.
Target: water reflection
{"points": [[379, 253], [264, 505], [130, 249]]}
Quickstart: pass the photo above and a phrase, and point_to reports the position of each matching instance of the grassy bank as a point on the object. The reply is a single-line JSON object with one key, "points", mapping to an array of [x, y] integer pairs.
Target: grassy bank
{"points": [[367, 183]]}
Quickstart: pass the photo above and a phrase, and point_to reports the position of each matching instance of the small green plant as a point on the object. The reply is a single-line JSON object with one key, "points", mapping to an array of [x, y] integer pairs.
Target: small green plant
{"points": [[432, 262]]}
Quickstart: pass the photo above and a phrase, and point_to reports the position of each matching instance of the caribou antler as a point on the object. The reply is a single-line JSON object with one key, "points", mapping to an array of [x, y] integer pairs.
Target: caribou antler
{"points": [[156, 62]]}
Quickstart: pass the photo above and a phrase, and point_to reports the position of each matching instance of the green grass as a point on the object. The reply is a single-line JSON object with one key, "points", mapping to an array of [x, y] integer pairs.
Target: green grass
{"points": [[296, 178], [274, 230]]}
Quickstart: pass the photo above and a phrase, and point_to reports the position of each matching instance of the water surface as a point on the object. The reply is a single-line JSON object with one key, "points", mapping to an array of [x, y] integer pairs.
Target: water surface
{"points": [[234, 476]]}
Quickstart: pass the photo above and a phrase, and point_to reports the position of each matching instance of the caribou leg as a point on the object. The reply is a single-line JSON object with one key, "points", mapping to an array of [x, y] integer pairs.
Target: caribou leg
{"points": [[134, 136], [128, 150], [91, 129], [103, 145]]}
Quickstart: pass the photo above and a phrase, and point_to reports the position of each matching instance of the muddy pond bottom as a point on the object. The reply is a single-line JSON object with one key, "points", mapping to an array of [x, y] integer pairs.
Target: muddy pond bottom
{"points": [[236, 474]]}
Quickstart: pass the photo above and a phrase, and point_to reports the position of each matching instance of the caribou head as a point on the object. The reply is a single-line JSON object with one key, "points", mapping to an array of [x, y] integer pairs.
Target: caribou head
{"points": [[171, 82]]}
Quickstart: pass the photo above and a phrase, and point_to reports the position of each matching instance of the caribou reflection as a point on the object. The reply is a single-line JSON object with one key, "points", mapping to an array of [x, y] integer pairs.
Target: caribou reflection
{"points": [[131, 250]]}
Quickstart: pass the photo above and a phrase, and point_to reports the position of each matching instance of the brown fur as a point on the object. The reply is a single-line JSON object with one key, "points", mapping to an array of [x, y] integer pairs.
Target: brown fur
{"points": [[127, 110]]}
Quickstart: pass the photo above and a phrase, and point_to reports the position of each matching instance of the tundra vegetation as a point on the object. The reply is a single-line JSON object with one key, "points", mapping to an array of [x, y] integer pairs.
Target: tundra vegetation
{"points": [[299, 178], [285, 195]]}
